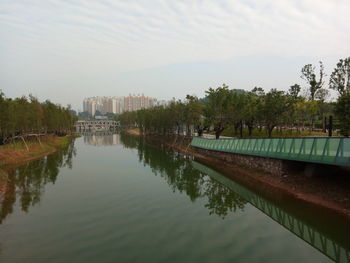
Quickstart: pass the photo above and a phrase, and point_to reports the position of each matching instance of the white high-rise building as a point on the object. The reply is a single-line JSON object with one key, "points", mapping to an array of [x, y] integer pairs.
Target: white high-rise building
{"points": [[117, 105]]}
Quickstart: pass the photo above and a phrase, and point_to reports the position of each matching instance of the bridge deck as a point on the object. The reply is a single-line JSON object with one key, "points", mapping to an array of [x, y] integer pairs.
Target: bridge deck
{"points": [[326, 150], [96, 124]]}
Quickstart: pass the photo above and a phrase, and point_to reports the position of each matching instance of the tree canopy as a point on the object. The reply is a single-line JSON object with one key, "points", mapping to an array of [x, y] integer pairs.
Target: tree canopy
{"points": [[23, 115], [244, 112]]}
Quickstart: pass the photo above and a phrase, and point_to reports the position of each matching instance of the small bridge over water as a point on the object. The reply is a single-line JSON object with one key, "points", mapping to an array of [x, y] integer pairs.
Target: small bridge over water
{"points": [[96, 125], [325, 150]]}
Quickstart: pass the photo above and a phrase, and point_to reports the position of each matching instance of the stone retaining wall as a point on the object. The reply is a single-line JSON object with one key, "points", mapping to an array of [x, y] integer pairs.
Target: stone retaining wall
{"points": [[273, 166]]}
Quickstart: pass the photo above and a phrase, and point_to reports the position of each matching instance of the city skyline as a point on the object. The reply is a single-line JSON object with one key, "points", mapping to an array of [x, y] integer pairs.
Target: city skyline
{"points": [[118, 105]]}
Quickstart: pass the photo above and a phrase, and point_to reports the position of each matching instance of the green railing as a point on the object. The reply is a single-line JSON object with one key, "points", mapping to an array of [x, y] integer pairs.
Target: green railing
{"points": [[327, 150]]}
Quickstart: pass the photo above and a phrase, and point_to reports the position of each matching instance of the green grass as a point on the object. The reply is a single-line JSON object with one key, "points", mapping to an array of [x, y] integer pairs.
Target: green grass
{"points": [[17, 152], [275, 133]]}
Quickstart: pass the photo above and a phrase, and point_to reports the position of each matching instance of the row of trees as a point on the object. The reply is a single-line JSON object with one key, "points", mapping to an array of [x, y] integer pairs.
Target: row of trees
{"points": [[256, 109], [22, 116]]}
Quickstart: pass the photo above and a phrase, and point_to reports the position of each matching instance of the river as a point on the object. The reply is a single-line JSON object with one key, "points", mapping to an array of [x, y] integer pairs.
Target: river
{"points": [[114, 198]]}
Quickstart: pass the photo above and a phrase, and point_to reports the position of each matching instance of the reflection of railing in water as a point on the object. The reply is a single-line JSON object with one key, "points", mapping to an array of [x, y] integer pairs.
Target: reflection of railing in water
{"points": [[309, 234]]}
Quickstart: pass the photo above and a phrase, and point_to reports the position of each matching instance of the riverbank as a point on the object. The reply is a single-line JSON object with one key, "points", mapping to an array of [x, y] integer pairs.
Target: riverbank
{"points": [[134, 132], [327, 191], [15, 154]]}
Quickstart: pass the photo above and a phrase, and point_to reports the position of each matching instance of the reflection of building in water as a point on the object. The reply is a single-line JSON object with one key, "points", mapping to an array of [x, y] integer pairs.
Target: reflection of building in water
{"points": [[101, 138]]}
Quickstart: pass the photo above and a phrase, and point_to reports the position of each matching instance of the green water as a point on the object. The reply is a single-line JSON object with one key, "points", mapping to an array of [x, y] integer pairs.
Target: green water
{"points": [[112, 198]]}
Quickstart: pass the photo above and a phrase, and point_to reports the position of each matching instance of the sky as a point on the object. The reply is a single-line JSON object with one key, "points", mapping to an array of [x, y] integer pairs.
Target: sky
{"points": [[66, 50]]}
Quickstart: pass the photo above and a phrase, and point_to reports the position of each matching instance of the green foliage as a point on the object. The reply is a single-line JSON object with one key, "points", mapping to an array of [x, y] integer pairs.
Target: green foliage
{"points": [[294, 91], [340, 77], [342, 111], [235, 112], [309, 75], [273, 109], [21, 116], [85, 115], [217, 107], [224, 109], [175, 118]]}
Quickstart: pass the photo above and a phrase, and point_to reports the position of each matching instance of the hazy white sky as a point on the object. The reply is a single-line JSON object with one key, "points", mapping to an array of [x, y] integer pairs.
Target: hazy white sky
{"points": [[66, 50]]}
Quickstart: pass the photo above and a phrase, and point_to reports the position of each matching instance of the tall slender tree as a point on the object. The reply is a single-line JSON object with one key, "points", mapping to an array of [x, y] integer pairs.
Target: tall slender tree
{"points": [[308, 73], [340, 77]]}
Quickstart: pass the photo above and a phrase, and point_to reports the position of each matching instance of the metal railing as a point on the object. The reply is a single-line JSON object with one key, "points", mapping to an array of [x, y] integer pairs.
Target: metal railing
{"points": [[327, 150]]}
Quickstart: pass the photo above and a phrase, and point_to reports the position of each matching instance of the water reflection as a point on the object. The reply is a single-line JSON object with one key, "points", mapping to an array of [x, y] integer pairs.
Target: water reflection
{"points": [[221, 195], [26, 183], [224, 196], [102, 138], [183, 177]]}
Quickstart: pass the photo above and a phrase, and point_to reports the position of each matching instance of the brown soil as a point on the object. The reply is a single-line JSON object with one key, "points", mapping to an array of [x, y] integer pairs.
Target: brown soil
{"points": [[134, 132], [16, 154], [13, 155]]}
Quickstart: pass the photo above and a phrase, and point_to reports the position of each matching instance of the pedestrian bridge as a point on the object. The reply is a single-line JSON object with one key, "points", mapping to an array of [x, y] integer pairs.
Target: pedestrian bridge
{"points": [[325, 150], [96, 125]]}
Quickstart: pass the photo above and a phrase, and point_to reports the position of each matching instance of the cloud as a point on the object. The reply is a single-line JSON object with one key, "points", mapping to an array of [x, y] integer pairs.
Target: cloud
{"points": [[175, 31], [84, 38]]}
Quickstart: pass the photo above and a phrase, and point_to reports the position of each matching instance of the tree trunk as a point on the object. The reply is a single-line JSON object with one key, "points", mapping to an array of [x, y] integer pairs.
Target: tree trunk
{"points": [[241, 128], [269, 130], [250, 130], [218, 130]]}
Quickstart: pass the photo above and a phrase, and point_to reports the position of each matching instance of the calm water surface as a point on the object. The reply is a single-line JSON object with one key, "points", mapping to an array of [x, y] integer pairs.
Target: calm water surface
{"points": [[113, 198]]}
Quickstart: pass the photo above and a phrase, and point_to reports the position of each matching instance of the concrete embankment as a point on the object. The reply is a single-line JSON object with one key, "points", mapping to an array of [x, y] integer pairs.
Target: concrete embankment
{"points": [[326, 189]]}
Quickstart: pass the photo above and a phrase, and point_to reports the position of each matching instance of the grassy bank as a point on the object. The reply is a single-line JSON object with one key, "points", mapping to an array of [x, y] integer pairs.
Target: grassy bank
{"points": [[16, 153], [135, 131], [276, 133]]}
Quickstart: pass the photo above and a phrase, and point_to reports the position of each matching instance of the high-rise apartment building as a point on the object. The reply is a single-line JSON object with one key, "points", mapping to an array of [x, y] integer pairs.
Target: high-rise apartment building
{"points": [[133, 103], [118, 105]]}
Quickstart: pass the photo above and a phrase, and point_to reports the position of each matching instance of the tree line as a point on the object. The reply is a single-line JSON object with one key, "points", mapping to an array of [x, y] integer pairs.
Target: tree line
{"points": [[23, 116], [243, 112]]}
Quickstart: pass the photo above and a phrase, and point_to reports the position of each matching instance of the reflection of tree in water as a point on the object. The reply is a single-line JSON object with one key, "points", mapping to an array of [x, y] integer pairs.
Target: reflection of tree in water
{"points": [[183, 177], [26, 183], [221, 199]]}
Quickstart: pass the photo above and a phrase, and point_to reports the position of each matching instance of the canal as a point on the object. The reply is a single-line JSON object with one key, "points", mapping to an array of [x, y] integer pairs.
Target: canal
{"points": [[115, 198]]}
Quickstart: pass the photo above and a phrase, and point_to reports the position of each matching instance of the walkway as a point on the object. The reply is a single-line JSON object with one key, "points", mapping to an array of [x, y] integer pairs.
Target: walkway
{"points": [[326, 150]]}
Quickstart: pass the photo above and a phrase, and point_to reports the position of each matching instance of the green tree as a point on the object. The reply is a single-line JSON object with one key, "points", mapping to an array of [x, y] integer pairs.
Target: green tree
{"points": [[192, 112], [340, 77], [217, 107], [308, 73], [294, 91], [342, 110], [251, 114], [273, 109]]}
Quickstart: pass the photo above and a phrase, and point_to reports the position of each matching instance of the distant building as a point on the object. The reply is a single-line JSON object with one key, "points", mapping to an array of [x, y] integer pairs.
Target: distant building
{"points": [[118, 105], [133, 103]]}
